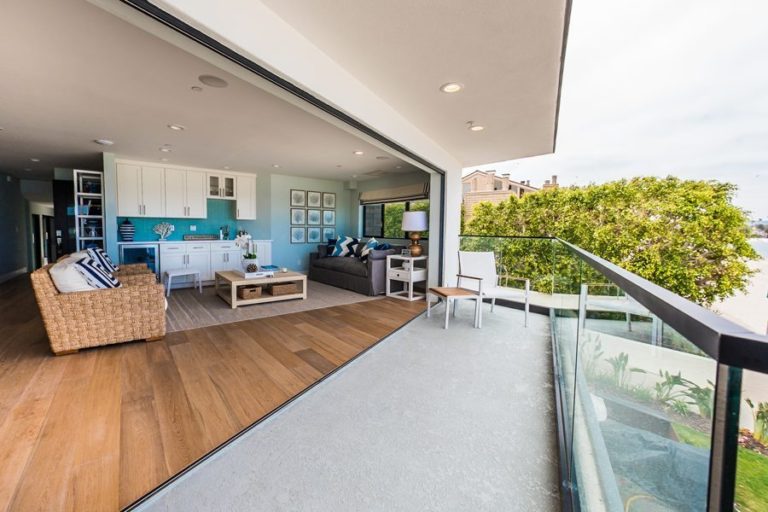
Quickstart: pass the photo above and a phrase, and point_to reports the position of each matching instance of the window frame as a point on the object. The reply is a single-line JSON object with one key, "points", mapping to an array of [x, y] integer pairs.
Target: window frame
{"points": [[407, 208]]}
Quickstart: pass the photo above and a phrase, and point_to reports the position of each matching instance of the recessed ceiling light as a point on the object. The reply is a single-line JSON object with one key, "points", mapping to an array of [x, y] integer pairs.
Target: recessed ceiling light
{"points": [[276, 166], [176, 127], [451, 87], [474, 127], [398, 167], [213, 81], [27, 169], [354, 175], [104, 142], [163, 159], [226, 167], [34, 159], [358, 153], [196, 88], [166, 149]]}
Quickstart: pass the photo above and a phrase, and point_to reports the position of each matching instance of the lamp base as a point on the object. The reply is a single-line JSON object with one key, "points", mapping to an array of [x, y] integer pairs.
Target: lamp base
{"points": [[415, 248]]}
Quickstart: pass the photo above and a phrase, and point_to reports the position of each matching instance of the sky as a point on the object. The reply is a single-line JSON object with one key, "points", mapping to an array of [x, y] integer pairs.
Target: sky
{"points": [[662, 88]]}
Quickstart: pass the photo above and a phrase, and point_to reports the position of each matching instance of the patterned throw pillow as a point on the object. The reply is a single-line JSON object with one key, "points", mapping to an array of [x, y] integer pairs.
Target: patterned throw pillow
{"points": [[95, 274], [345, 246], [369, 246], [102, 259]]}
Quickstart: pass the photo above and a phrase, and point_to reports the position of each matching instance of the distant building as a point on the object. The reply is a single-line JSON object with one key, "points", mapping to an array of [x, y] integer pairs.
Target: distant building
{"points": [[487, 186]]}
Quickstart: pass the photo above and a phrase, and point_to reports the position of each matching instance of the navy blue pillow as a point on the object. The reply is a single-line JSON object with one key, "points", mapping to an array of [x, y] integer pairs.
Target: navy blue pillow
{"points": [[331, 246], [383, 246]]}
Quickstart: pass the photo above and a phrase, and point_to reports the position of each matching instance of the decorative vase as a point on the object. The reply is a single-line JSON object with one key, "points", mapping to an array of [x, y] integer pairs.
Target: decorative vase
{"points": [[127, 231], [248, 262]]}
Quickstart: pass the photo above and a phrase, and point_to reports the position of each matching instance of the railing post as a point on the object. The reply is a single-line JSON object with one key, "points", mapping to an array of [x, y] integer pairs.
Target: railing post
{"points": [[583, 306], [725, 439]]}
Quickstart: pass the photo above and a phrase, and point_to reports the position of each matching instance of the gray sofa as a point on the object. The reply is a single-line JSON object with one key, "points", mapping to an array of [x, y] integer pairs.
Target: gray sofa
{"points": [[348, 272]]}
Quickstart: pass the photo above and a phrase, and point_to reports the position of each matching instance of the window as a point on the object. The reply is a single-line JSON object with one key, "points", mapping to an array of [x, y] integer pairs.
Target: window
{"points": [[384, 220], [466, 187]]}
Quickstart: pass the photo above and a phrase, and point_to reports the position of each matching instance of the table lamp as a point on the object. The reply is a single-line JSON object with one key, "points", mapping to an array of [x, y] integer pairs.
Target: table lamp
{"points": [[415, 222]]}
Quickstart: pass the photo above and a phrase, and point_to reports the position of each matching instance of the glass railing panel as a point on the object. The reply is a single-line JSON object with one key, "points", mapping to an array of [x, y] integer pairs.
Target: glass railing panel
{"points": [[751, 492], [642, 424]]}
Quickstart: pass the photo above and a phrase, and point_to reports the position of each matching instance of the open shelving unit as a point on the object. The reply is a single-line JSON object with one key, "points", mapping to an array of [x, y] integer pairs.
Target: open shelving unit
{"points": [[89, 209]]}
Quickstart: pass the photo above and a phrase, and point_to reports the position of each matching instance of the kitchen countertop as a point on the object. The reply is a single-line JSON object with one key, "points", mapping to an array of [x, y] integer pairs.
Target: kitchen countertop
{"points": [[144, 242]]}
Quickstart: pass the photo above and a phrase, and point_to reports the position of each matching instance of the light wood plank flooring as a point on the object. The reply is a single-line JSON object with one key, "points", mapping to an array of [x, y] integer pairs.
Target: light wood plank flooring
{"points": [[99, 429]]}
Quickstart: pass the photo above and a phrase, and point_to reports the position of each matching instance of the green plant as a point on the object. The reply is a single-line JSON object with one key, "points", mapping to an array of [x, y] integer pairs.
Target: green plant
{"points": [[702, 397], [760, 417], [591, 353], [684, 235], [621, 377]]}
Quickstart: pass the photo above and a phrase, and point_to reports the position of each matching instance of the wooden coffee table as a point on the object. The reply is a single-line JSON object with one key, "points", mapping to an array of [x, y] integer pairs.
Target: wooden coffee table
{"points": [[226, 284]]}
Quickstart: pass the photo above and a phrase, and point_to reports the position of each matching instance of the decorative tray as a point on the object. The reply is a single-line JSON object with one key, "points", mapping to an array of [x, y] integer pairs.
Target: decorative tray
{"points": [[201, 237]]}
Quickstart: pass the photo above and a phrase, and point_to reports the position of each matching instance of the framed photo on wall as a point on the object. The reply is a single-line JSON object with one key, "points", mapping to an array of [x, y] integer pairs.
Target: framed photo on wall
{"points": [[298, 198], [329, 234], [329, 217], [329, 200], [298, 216], [314, 199], [313, 236], [298, 235], [313, 217]]}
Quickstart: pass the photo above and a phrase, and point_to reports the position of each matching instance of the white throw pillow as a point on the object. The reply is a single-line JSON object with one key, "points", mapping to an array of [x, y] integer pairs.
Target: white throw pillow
{"points": [[66, 278]]}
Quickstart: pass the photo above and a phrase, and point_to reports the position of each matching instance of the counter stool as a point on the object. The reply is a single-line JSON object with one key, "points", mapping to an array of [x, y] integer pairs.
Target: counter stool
{"points": [[181, 272]]}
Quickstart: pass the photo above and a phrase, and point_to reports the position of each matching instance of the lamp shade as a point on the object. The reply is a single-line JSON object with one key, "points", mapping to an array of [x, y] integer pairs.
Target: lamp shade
{"points": [[414, 221]]}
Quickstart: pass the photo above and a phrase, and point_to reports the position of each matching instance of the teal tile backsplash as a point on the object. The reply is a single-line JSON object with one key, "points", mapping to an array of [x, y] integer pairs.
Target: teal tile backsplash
{"points": [[220, 213]]}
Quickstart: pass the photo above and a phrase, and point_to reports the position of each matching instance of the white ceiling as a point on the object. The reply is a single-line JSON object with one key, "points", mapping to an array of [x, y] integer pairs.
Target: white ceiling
{"points": [[72, 73], [507, 53]]}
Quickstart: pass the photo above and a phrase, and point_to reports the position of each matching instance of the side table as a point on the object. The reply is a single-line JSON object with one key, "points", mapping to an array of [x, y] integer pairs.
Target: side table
{"points": [[407, 273]]}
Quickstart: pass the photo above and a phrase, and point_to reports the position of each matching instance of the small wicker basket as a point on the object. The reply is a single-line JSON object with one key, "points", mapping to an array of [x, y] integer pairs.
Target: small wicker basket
{"points": [[249, 292]]}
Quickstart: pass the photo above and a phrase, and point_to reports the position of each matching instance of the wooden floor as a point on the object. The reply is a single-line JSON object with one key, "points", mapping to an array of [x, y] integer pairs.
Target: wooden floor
{"points": [[99, 429]]}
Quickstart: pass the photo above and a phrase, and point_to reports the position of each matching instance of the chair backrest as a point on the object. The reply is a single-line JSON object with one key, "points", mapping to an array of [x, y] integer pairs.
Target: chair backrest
{"points": [[477, 264]]}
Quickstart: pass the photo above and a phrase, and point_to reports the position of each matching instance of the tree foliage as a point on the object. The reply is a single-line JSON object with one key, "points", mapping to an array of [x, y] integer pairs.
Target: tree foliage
{"points": [[685, 235]]}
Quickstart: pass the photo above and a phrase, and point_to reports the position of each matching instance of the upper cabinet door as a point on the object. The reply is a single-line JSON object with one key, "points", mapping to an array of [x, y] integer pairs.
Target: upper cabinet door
{"points": [[214, 186], [228, 187], [175, 193], [153, 191], [197, 204], [129, 191], [246, 198]]}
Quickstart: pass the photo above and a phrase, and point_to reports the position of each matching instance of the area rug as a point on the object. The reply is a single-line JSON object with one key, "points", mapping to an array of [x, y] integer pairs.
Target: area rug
{"points": [[189, 309]]}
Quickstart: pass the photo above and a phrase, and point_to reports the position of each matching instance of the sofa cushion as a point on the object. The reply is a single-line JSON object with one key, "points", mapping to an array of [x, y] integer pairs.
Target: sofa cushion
{"points": [[351, 266], [345, 246], [96, 276], [367, 248], [66, 277]]}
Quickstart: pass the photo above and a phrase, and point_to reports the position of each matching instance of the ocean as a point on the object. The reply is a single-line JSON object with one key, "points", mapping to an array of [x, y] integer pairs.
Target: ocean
{"points": [[761, 246]]}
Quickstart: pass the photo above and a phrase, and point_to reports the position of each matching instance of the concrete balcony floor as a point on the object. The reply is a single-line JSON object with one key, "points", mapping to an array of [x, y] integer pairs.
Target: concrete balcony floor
{"points": [[428, 419]]}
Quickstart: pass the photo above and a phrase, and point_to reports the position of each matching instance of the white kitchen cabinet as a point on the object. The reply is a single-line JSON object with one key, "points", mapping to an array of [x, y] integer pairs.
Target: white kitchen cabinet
{"points": [[200, 261], [221, 186], [224, 256], [140, 191], [185, 194], [197, 201], [245, 198], [188, 256]]}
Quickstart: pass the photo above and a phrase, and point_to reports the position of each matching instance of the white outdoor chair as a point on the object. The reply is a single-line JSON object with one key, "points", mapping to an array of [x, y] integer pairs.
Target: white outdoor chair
{"points": [[477, 272]]}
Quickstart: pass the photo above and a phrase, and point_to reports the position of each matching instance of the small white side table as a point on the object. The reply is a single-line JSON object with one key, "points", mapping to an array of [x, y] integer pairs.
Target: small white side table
{"points": [[407, 273], [182, 272]]}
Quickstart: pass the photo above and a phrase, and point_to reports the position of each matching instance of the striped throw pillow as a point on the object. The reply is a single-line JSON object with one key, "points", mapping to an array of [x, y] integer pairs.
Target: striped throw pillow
{"points": [[345, 246], [95, 274], [369, 246], [102, 259]]}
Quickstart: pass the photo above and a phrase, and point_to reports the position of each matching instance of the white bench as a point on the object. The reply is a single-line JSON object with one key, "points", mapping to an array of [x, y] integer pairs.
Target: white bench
{"points": [[181, 272]]}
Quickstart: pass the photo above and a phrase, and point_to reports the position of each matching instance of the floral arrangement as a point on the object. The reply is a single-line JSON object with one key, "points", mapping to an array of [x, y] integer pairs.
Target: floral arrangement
{"points": [[163, 229], [245, 243]]}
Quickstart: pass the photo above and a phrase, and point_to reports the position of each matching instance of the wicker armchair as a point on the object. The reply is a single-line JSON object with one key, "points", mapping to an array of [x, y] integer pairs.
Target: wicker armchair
{"points": [[133, 269], [136, 311]]}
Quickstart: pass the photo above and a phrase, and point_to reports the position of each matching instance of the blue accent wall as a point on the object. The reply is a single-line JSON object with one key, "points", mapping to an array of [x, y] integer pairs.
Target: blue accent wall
{"points": [[14, 226], [221, 212]]}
